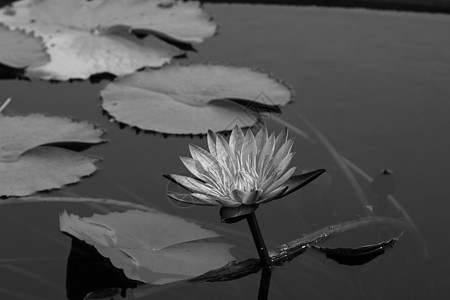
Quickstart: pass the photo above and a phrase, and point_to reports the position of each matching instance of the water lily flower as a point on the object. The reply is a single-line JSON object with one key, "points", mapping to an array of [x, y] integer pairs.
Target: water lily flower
{"points": [[240, 174]]}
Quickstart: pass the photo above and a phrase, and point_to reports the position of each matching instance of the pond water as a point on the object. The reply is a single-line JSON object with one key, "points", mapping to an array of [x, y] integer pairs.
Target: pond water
{"points": [[375, 83]]}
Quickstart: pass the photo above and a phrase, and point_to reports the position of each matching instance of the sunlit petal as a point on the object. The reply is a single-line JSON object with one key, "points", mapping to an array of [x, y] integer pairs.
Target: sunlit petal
{"points": [[261, 137], [207, 199], [282, 166], [282, 152], [267, 149], [275, 194], [187, 199], [193, 166], [223, 151], [211, 142], [190, 183], [280, 140], [248, 152], [228, 202], [245, 171], [236, 139], [268, 181], [207, 161], [281, 180]]}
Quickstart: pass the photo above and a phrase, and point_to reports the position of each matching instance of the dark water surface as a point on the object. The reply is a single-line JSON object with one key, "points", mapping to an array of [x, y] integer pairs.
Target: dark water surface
{"points": [[377, 84]]}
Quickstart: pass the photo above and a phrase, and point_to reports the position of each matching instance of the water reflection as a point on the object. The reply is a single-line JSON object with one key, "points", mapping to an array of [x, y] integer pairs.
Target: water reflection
{"points": [[88, 271]]}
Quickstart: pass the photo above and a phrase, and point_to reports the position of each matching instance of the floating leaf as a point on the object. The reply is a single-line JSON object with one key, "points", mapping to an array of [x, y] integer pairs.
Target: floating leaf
{"points": [[151, 247], [356, 256], [20, 50], [43, 168], [27, 168], [89, 37], [191, 99], [21, 133]]}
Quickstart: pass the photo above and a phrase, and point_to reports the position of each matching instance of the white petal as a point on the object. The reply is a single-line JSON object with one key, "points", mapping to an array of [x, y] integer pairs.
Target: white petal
{"points": [[261, 138], [252, 197], [239, 195], [282, 166], [249, 147], [228, 202], [282, 152], [281, 180], [267, 149], [193, 166], [276, 193], [236, 139], [191, 183], [211, 137], [207, 199], [207, 161], [280, 140], [188, 199], [223, 151]]}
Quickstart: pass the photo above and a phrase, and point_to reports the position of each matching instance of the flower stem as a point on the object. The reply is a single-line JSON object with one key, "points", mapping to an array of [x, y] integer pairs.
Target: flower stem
{"points": [[264, 284], [259, 241]]}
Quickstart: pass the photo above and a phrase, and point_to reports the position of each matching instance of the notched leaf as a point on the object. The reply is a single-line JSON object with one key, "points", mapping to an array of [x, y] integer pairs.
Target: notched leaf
{"points": [[193, 99], [22, 133], [90, 37], [19, 49], [27, 161], [43, 168]]}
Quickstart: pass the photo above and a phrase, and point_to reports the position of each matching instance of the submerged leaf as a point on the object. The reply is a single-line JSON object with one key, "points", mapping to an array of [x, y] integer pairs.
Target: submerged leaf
{"points": [[43, 168], [88, 37], [151, 247], [191, 99], [21, 50], [356, 256], [21, 133], [384, 183]]}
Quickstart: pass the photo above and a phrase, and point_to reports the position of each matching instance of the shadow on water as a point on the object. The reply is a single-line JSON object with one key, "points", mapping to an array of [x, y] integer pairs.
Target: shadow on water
{"points": [[88, 271]]}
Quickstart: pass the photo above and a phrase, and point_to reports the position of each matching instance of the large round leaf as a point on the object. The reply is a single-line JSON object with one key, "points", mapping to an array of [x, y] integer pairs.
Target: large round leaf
{"points": [[43, 168], [21, 133], [191, 99], [88, 37], [20, 50], [151, 247]]}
